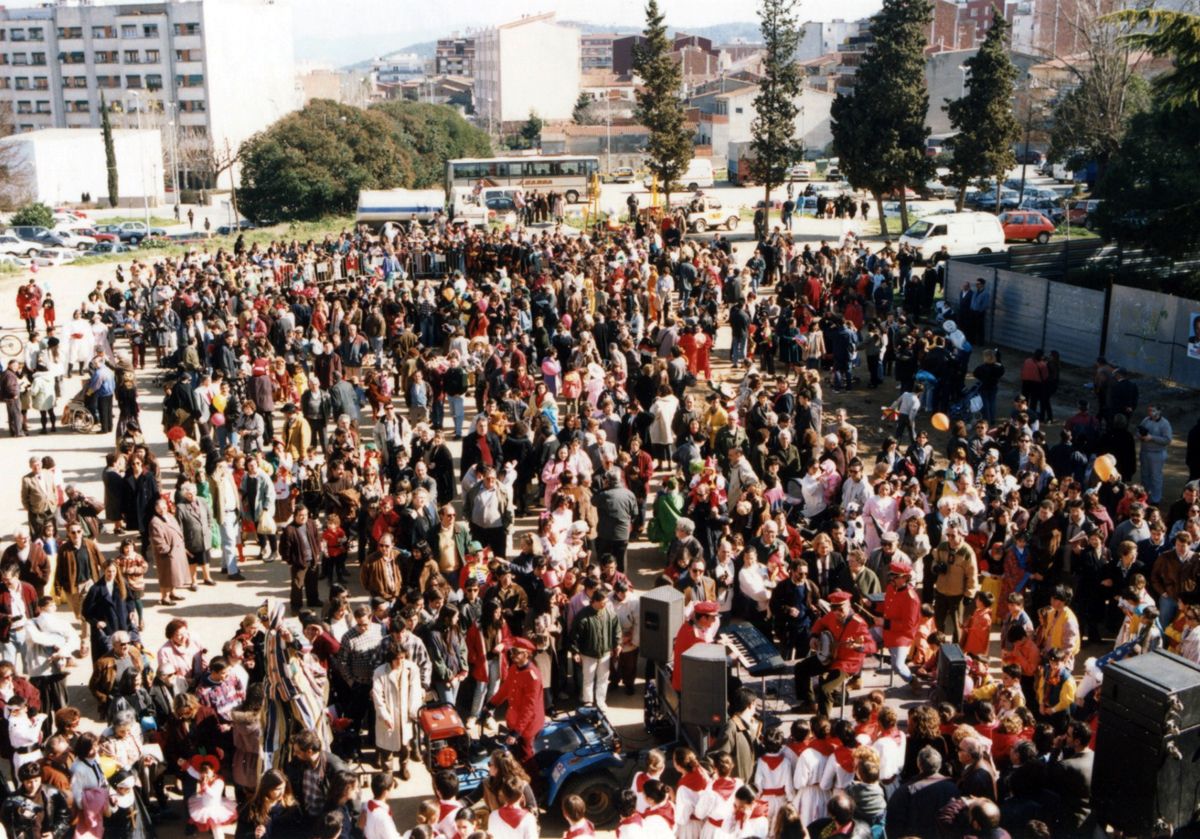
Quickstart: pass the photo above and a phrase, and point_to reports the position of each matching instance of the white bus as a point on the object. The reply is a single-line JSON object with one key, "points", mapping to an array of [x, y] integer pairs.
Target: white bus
{"points": [[569, 175]]}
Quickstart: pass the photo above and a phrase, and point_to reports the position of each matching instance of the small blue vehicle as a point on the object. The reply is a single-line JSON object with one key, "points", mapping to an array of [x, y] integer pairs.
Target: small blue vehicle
{"points": [[577, 753]]}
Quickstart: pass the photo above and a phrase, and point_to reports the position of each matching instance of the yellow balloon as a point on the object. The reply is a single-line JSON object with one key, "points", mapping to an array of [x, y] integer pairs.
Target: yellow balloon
{"points": [[940, 421], [1105, 466]]}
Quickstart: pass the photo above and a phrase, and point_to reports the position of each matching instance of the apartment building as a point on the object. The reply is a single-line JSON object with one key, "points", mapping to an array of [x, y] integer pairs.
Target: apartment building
{"points": [[509, 85], [455, 56], [201, 70]]}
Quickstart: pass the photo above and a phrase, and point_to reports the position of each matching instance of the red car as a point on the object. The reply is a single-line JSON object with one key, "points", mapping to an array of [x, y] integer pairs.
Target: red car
{"points": [[97, 235], [1026, 226]]}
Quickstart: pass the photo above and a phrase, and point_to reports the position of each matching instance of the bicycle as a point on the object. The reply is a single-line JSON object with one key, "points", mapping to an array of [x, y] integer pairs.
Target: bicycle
{"points": [[11, 346]]}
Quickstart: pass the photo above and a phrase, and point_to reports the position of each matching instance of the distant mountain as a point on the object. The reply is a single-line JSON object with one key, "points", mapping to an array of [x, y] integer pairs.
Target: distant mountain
{"points": [[425, 49]]}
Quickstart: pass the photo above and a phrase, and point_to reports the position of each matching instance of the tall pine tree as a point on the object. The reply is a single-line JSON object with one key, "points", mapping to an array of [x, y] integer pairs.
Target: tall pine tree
{"points": [[775, 144], [983, 118], [659, 103], [879, 130], [110, 153]]}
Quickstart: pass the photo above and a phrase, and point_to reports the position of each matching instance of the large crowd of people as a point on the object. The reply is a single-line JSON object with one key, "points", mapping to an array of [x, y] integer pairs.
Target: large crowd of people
{"points": [[314, 396]]}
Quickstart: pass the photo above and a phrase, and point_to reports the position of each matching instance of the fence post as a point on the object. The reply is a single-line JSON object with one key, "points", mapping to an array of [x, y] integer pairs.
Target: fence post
{"points": [[1045, 311], [1108, 295]]}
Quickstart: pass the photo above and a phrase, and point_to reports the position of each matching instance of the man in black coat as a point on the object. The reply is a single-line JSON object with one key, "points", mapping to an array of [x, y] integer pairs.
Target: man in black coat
{"points": [[319, 767], [913, 807], [1071, 779], [481, 446]]}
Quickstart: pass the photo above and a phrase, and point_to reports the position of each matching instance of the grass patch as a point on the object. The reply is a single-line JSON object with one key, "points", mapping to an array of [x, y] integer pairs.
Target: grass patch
{"points": [[155, 221], [1073, 232]]}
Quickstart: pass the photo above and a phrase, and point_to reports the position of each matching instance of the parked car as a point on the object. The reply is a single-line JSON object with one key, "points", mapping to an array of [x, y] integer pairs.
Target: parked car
{"points": [[29, 232], [1051, 209], [801, 172], [96, 234], [108, 247], [1079, 213], [934, 188], [622, 175], [133, 232], [10, 243], [227, 229], [1026, 226], [1030, 157], [961, 233], [8, 260], [55, 256], [70, 239], [986, 200]]}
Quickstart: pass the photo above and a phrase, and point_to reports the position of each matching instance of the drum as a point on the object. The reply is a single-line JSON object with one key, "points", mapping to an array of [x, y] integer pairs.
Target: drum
{"points": [[825, 645]]}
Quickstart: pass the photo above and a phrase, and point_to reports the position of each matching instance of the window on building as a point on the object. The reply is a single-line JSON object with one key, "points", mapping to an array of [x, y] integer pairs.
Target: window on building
{"points": [[108, 57], [150, 30], [188, 55], [82, 106], [190, 80], [154, 81], [738, 110], [43, 106], [24, 106], [3, 58], [3, 34], [70, 31], [129, 30], [5, 83], [133, 82], [108, 82], [132, 57], [187, 29], [72, 58], [41, 82], [153, 56], [37, 59], [104, 31], [22, 82], [78, 82], [17, 34], [20, 59], [36, 33], [192, 106]]}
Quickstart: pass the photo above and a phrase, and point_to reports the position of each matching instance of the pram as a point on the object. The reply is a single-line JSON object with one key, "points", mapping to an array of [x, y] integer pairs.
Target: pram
{"points": [[969, 404]]}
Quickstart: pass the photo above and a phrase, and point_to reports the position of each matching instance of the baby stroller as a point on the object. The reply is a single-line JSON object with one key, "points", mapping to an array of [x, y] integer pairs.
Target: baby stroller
{"points": [[968, 406], [76, 415]]}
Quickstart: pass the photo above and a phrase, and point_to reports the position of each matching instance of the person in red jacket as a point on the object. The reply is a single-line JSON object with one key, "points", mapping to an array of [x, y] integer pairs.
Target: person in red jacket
{"points": [[901, 617], [851, 642], [701, 629], [521, 688], [977, 634]]}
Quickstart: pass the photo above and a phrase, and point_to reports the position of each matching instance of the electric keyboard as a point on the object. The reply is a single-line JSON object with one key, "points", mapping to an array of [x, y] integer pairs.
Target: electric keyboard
{"points": [[752, 650]]}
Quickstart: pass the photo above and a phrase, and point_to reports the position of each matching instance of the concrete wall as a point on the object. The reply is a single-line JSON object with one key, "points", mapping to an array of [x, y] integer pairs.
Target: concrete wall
{"points": [[1149, 332], [58, 166], [539, 71]]}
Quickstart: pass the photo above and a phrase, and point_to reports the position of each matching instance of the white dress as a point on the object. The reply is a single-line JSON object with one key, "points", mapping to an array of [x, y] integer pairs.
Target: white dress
{"points": [[209, 808], [811, 799], [378, 822], [397, 695], [512, 823], [81, 342], [773, 780]]}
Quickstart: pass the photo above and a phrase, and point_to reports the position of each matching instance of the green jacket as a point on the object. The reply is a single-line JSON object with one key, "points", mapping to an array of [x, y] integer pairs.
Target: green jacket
{"points": [[595, 634], [668, 507]]}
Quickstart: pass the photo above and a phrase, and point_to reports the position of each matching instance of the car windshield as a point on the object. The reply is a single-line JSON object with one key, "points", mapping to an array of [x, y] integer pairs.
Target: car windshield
{"points": [[919, 230]]}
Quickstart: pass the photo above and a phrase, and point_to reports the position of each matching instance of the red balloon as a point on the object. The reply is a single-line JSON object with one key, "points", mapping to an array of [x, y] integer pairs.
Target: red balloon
{"points": [[218, 419]]}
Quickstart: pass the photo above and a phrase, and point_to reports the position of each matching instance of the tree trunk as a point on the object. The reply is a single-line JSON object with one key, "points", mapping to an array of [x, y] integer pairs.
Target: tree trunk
{"points": [[961, 198], [766, 208], [883, 227], [999, 206], [903, 208]]}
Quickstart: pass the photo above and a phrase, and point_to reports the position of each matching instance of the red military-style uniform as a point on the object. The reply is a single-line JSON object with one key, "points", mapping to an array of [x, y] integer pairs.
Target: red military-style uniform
{"points": [[521, 688], [689, 636], [902, 616], [846, 659]]}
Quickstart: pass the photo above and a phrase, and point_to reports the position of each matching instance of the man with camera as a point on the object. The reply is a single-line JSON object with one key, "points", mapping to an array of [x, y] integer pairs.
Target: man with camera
{"points": [[956, 577]]}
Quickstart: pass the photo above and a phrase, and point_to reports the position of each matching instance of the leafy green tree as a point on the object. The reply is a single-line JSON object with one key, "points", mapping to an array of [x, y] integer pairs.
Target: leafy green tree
{"points": [[775, 144], [1174, 34], [582, 112], [531, 131], [110, 153], [34, 215], [669, 148], [983, 118], [433, 134], [314, 162], [879, 130], [1149, 189]]}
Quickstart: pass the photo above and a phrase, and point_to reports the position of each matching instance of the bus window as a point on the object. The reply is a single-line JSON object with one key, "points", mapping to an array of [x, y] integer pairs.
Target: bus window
{"points": [[537, 169], [570, 167], [501, 171], [593, 166]]}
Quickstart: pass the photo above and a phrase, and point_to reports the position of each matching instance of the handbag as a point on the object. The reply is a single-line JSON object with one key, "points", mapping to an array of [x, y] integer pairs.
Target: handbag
{"points": [[265, 524]]}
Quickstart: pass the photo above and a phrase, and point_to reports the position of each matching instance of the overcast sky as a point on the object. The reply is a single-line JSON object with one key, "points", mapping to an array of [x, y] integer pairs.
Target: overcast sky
{"points": [[341, 32]]}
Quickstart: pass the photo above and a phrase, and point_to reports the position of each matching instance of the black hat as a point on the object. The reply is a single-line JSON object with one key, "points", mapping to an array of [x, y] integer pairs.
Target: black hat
{"points": [[288, 408]]}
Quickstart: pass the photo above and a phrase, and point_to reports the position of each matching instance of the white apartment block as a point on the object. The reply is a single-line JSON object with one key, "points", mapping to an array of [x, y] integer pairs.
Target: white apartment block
{"points": [[530, 64], [822, 37], [208, 73]]}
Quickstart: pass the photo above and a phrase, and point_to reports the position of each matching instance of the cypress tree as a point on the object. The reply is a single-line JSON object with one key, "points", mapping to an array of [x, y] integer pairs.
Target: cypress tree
{"points": [[660, 103], [110, 153], [774, 142]]}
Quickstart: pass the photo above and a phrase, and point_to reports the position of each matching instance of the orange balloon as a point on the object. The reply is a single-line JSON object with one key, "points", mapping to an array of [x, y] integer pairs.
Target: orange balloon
{"points": [[940, 421], [1105, 466]]}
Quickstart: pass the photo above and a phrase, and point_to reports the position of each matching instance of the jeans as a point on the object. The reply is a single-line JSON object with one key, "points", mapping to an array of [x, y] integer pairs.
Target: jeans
{"points": [[230, 528], [483, 690], [596, 672], [457, 411], [446, 692], [989, 405], [1168, 608], [437, 414], [737, 351]]}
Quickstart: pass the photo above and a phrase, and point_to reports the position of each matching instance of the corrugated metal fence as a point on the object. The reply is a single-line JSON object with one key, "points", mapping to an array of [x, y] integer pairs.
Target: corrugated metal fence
{"points": [[1150, 332]]}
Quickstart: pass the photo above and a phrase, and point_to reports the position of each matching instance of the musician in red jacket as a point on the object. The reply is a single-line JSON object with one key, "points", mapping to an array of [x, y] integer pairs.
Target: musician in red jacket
{"points": [[849, 639], [701, 629], [521, 688], [901, 617]]}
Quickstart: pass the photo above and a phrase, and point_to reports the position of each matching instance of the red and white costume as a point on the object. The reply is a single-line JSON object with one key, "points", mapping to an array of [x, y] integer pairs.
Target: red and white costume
{"points": [[752, 822], [773, 780], [580, 830], [890, 747], [687, 796], [378, 822], [639, 783], [512, 823], [447, 810], [839, 770], [811, 799], [716, 807]]}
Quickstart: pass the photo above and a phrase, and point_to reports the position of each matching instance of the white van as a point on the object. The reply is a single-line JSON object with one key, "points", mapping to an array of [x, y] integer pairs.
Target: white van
{"points": [[698, 175], [961, 233]]}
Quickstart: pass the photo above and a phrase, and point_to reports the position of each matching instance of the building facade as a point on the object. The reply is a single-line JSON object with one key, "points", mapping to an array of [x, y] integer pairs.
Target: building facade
{"points": [[59, 166], [398, 68], [509, 85], [596, 50], [455, 56], [199, 70]]}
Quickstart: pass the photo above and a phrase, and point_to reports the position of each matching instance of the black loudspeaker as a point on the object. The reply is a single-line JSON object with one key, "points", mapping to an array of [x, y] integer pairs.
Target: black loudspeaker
{"points": [[1146, 771], [705, 680], [951, 674], [661, 615]]}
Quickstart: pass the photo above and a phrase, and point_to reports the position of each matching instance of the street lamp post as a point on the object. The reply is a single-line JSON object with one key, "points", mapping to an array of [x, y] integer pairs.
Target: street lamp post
{"points": [[137, 100]]}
